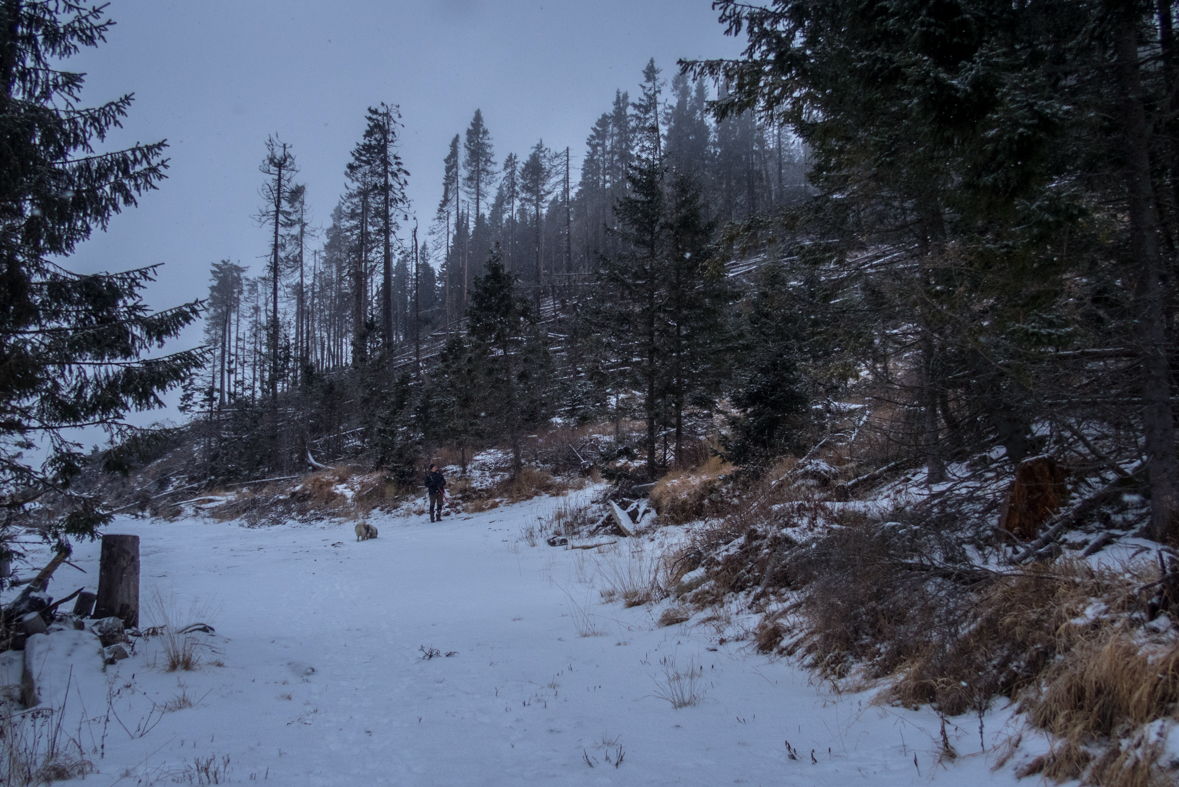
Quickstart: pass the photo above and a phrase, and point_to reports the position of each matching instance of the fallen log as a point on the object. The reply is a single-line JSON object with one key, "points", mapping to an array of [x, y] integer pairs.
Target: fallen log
{"points": [[592, 546], [605, 520], [42, 578], [21, 604], [1066, 519], [1098, 544], [622, 519], [53, 607]]}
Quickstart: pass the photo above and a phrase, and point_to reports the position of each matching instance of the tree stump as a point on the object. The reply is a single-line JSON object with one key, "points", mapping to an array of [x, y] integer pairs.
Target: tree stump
{"points": [[118, 580], [1036, 494]]}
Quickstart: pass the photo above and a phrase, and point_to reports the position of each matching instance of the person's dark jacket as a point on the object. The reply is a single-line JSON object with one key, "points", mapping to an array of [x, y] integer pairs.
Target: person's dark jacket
{"points": [[435, 483]]}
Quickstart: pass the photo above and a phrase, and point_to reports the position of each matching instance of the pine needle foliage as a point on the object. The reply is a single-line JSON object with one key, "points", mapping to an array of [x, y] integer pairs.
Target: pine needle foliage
{"points": [[71, 345]]}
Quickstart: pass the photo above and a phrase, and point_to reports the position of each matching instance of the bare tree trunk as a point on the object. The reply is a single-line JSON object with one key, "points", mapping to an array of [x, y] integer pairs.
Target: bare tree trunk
{"points": [[650, 404], [1157, 416], [417, 311], [934, 465], [274, 271]]}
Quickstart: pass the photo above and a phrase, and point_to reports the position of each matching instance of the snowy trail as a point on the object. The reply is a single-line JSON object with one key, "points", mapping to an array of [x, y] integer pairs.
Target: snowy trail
{"points": [[324, 682]]}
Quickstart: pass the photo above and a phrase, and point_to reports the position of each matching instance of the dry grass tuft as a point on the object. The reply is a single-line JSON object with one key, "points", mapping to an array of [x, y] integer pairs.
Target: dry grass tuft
{"points": [[674, 615], [377, 490], [478, 505], [687, 495], [682, 687], [1104, 685], [571, 517], [460, 487], [1134, 764], [1002, 636], [322, 487], [532, 482], [35, 750], [768, 634], [1064, 763], [629, 574], [179, 633]]}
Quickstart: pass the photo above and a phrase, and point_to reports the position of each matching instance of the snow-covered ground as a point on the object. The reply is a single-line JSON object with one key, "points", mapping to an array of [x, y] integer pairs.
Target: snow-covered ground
{"points": [[319, 675]]}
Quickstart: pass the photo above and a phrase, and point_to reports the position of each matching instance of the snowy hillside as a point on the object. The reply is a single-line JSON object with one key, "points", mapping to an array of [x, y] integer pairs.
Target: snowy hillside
{"points": [[458, 654]]}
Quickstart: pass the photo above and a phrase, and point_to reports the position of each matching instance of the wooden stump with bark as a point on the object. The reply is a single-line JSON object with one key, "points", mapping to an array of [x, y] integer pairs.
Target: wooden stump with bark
{"points": [[118, 579], [1035, 495]]}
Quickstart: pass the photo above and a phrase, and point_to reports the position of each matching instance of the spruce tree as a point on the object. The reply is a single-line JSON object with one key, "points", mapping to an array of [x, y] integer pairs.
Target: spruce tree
{"points": [[480, 163], [535, 189], [375, 161], [448, 207], [451, 404], [71, 345], [511, 355], [631, 290], [769, 392], [279, 168], [696, 339]]}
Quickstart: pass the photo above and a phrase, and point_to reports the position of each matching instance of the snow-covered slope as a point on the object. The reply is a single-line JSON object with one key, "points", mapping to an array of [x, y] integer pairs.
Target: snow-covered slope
{"points": [[320, 675]]}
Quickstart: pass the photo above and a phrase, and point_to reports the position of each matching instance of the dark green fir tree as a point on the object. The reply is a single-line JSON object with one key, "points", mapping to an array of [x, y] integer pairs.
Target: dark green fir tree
{"points": [[71, 345]]}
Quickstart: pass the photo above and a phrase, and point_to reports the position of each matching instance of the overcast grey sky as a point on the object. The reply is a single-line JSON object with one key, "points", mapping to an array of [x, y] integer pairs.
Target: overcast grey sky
{"points": [[215, 77]]}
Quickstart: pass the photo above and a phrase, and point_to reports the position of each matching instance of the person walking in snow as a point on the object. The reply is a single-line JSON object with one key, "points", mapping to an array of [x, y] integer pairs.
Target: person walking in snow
{"points": [[436, 486]]}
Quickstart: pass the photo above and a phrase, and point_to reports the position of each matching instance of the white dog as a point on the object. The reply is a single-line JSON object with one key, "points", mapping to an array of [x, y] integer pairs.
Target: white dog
{"points": [[365, 531]]}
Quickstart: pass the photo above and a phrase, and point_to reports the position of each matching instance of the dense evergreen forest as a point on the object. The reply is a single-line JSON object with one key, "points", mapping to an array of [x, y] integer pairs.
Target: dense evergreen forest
{"points": [[528, 296], [962, 215], [956, 218]]}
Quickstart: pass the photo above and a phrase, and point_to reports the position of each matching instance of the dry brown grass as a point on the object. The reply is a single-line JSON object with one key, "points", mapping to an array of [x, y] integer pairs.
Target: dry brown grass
{"points": [[629, 573], [1133, 764], [1004, 636], [675, 614], [531, 482], [1065, 762], [689, 494], [459, 487], [178, 631], [315, 495], [376, 490], [769, 633], [1061, 638], [753, 538], [35, 750], [571, 518], [478, 505], [1106, 685], [321, 487]]}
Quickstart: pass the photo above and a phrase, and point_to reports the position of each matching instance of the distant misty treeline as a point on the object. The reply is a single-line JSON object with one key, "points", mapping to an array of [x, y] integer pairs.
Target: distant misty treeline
{"points": [[363, 295], [375, 279]]}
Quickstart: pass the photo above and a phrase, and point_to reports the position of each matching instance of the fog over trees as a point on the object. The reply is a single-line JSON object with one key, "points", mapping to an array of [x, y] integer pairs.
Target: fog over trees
{"points": [[598, 243]]}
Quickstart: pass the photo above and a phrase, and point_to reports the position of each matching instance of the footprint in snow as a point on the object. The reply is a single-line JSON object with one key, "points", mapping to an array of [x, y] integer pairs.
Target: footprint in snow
{"points": [[301, 669]]}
